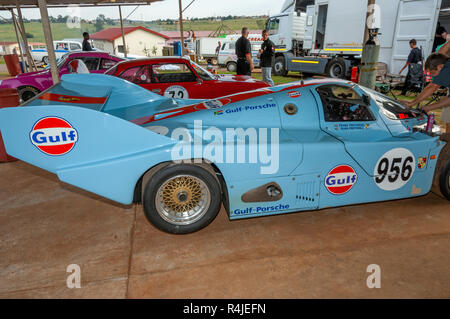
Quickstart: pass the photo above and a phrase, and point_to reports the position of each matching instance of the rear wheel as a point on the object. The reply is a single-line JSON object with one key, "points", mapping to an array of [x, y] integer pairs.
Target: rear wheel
{"points": [[231, 66], [336, 68], [279, 66], [444, 180], [181, 199], [27, 92]]}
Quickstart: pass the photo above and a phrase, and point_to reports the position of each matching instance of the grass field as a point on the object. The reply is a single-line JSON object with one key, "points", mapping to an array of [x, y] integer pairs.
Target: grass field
{"points": [[61, 30]]}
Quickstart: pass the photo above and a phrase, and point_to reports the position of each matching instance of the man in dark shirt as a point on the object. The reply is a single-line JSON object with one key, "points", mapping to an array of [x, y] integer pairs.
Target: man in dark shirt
{"points": [[439, 67], [86, 44], [414, 64], [267, 53], [244, 54]]}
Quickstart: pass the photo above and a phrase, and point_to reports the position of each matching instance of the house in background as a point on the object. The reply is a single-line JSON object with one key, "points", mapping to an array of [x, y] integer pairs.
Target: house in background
{"points": [[7, 47], [139, 40]]}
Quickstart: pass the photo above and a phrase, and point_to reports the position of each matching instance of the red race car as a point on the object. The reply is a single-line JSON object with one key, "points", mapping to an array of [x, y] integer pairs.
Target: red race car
{"points": [[177, 77]]}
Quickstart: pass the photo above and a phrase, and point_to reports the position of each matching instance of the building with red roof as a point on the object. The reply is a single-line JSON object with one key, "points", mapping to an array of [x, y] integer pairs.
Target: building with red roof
{"points": [[140, 41]]}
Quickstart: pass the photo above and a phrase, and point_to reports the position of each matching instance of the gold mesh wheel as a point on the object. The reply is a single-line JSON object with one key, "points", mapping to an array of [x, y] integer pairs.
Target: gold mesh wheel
{"points": [[183, 199]]}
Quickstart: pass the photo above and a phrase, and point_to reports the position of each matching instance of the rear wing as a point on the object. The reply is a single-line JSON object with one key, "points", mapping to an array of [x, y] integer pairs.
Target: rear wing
{"points": [[84, 147], [99, 92]]}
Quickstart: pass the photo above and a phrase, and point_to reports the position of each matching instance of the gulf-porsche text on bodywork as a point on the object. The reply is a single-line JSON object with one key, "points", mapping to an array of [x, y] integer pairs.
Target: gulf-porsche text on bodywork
{"points": [[289, 148]]}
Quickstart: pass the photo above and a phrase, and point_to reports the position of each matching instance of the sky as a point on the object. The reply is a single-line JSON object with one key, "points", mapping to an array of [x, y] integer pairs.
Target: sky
{"points": [[168, 9]]}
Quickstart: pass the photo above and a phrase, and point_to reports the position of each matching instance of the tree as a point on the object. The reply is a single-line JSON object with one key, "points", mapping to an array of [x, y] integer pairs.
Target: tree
{"points": [[100, 22]]}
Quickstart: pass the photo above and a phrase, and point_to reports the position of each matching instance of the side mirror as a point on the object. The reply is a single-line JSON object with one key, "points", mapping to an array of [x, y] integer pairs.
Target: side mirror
{"points": [[199, 81], [366, 99]]}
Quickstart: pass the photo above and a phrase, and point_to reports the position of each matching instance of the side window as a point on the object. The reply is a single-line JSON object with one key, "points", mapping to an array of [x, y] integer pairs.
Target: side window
{"points": [[91, 63], [74, 47], [137, 75], [106, 64], [232, 45], [272, 26], [172, 72], [343, 104]]}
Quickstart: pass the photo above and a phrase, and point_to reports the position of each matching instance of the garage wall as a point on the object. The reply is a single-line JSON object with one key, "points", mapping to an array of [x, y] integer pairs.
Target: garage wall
{"points": [[139, 40], [104, 45]]}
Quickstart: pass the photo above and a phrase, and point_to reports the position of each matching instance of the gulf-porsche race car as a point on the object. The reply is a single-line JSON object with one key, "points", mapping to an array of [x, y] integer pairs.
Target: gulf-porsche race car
{"points": [[179, 77], [295, 147]]}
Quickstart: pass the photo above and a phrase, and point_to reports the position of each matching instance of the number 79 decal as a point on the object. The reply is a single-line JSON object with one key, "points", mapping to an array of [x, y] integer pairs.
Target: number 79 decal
{"points": [[394, 169]]}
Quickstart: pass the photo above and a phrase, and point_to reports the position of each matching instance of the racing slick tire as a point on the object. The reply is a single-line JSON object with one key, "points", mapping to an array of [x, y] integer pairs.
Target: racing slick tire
{"points": [[336, 68], [231, 66], [444, 180], [27, 92], [279, 66], [45, 60], [181, 199]]}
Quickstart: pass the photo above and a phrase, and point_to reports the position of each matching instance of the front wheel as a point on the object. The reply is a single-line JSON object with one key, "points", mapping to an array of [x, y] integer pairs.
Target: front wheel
{"points": [[279, 66], [336, 68], [231, 66], [45, 60], [444, 180], [181, 199]]}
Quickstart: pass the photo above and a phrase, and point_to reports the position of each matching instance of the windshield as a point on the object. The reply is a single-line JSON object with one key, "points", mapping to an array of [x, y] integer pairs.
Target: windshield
{"points": [[391, 108], [59, 63], [205, 75]]}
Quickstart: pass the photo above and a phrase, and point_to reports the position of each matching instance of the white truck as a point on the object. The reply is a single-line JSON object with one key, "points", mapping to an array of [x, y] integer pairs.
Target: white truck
{"points": [[61, 48], [227, 54], [205, 49], [326, 36]]}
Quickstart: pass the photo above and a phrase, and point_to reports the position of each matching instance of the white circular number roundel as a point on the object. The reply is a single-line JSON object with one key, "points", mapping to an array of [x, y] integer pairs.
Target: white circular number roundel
{"points": [[394, 169], [176, 92]]}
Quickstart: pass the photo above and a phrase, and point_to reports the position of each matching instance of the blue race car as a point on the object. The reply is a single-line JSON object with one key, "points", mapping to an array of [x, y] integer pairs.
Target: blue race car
{"points": [[300, 146]]}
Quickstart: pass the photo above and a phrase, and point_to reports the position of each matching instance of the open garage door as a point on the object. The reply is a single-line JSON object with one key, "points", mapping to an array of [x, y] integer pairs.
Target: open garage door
{"points": [[417, 19]]}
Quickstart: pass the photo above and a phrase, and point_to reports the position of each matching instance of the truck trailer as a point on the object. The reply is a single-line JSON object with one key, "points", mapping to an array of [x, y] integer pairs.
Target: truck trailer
{"points": [[326, 36]]}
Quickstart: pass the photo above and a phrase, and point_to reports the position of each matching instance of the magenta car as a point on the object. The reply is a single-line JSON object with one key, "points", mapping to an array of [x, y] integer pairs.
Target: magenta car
{"points": [[32, 83]]}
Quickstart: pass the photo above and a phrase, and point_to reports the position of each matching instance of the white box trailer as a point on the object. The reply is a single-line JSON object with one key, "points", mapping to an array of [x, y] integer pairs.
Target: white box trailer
{"points": [[333, 34], [205, 48]]}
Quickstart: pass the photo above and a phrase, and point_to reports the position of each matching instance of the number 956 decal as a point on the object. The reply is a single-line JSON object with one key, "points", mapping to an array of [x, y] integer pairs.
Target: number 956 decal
{"points": [[394, 169]]}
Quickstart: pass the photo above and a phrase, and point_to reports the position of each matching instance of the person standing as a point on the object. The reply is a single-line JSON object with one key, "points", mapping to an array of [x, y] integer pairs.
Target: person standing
{"points": [[440, 37], [414, 64], [267, 53], [244, 54], [86, 44], [218, 48]]}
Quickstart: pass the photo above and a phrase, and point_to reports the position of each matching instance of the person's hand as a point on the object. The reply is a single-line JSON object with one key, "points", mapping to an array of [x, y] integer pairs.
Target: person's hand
{"points": [[408, 104], [252, 67]]}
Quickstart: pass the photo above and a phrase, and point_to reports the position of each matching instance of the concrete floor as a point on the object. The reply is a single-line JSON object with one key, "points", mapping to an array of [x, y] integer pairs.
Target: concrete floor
{"points": [[46, 225]]}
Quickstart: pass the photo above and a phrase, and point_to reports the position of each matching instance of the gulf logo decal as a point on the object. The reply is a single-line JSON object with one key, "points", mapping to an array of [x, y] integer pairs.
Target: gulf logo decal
{"points": [[294, 94], [53, 136], [340, 179]]}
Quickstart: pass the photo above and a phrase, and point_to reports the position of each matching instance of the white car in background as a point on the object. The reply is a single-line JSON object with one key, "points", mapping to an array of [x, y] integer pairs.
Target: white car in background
{"points": [[61, 48], [227, 53]]}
